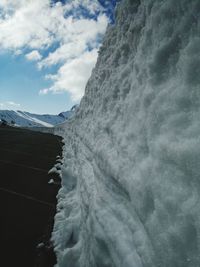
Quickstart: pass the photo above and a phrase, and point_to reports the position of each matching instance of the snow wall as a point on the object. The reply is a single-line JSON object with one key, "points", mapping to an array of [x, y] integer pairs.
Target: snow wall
{"points": [[130, 192]]}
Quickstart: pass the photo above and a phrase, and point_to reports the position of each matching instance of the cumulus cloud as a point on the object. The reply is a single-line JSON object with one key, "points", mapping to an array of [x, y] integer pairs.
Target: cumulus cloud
{"points": [[33, 56], [22, 24], [81, 34], [38, 25], [73, 75]]}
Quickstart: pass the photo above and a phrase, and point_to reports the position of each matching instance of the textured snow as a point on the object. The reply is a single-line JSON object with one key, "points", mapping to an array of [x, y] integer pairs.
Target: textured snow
{"points": [[130, 193], [56, 168], [51, 181]]}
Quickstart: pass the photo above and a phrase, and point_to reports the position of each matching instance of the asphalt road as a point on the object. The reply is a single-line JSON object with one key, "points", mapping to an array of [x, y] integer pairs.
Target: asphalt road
{"points": [[27, 201]]}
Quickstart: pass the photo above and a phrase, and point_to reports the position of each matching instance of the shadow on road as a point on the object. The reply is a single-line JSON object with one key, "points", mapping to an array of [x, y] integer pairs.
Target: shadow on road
{"points": [[27, 201]]}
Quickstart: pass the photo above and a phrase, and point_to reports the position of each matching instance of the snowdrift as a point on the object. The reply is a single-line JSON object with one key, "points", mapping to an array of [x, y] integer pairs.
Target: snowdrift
{"points": [[130, 193]]}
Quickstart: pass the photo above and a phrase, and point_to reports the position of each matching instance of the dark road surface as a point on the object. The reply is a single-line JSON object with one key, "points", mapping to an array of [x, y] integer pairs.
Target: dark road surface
{"points": [[27, 201]]}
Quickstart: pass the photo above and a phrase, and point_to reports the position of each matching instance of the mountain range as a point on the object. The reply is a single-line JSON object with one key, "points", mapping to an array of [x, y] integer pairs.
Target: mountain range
{"points": [[26, 119]]}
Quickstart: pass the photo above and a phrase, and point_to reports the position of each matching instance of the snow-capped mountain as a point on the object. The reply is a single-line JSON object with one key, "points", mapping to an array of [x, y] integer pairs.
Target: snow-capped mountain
{"points": [[130, 193], [26, 119], [68, 114]]}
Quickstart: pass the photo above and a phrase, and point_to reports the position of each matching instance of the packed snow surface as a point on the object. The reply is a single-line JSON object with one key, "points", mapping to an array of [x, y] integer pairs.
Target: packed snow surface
{"points": [[130, 193]]}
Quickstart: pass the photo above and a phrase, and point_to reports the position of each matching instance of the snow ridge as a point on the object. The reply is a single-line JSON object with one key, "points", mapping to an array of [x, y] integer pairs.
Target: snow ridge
{"points": [[130, 193]]}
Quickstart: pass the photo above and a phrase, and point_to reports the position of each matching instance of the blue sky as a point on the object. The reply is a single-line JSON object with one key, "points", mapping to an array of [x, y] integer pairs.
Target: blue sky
{"points": [[47, 51]]}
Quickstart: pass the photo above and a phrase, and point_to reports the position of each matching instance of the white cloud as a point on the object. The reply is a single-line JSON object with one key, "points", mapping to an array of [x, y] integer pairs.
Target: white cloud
{"points": [[73, 75], [35, 24], [33, 56], [80, 33], [44, 91], [18, 52], [19, 29], [65, 52], [9, 105]]}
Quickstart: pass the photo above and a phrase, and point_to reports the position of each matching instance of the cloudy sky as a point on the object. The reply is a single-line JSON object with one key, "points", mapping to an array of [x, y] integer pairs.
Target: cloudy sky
{"points": [[47, 51]]}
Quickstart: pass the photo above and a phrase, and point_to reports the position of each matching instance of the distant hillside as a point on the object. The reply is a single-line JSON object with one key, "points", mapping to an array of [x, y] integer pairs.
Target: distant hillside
{"points": [[69, 113], [26, 119]]}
